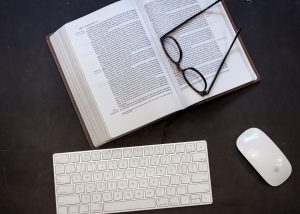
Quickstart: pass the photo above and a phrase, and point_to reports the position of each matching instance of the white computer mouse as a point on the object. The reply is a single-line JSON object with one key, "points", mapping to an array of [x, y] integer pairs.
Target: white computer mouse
{"points": [[264, 156]]}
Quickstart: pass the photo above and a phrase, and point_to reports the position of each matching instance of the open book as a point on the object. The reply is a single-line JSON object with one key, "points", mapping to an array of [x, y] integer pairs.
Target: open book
{"points": [[118, 76]]}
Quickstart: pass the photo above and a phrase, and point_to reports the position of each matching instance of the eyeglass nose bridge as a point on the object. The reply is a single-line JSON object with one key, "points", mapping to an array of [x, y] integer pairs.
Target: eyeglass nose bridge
{"points": [[178, 67]]}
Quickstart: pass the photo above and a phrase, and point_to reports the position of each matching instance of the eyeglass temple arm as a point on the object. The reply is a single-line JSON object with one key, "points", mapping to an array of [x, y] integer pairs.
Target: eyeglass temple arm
{"points": [[221, 65], [202, 11]]}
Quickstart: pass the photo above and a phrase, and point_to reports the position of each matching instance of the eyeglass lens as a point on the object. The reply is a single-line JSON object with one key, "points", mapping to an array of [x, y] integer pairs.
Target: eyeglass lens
{"points": [[172, 49], [191, 75]]}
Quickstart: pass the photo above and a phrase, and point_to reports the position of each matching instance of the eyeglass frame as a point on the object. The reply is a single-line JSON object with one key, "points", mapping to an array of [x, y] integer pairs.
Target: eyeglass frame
{"points": [[167, 36]]}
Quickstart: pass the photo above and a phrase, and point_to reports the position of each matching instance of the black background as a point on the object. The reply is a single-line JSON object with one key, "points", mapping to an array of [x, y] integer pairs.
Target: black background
{"points": [[37, 118]]}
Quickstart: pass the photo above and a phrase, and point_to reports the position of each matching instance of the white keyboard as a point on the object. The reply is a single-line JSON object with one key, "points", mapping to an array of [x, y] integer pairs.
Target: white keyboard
{"points": [[132, 178]]}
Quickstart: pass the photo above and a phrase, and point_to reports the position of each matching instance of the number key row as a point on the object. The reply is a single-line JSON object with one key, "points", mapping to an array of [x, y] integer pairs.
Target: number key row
{"points": [[129, 152]]}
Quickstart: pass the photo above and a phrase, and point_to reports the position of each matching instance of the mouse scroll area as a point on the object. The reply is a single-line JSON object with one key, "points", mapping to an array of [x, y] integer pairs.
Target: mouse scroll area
{"points": [[278, 165]]}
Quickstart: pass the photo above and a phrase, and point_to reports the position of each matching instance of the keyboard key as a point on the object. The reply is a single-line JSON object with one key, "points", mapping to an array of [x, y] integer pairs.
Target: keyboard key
{"points": [[62, 158], [175, 159], [165, 160], [91, 167], [195, 201], [140, 172], [98, 176], [73, 210], [107, 196], [108, 175], [174, 200], [80, 167], [87, 177], [139, 193], [97, 197], [162, 202], [134, 162], [63, 179], [181, 190], [127, 152], [150, 193], [96, 156], [186, 158], [84, 208], [160, 170], [169, 149], [150, 171], [96, 207], [129, 205], [76, 178], [70, 168], [117, 154], [180, 148], [198, 188], [122, 184], [101, 186], [60, 169], [154, 161], [118, 195], [182, 169], [85, 198], [138, 152], [148, 151], [102, 165], [106, 155], [123, 164], [79, 188], [175, 180], [129, 173], [144, 161], [74, 157], [201, 146], [128, 194], [113, 164], [200, 156], [90, 187], [185, 179], [159, 150], [171, 169], [62, 210], [164, 181], [206, 198], [119, 174], [85, 156], [190, 147], [160, 191], [65, 189], [199, 178], [143, 182], [153, 182], [68, 200], [111, 185], [133, 183], [196, 196], [202, 166], [192, 168], [171, 191], [185, 200]]}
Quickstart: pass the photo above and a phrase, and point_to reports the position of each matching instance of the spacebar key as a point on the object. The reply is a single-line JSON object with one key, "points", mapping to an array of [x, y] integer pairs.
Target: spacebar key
{"points": [[129, 205]]}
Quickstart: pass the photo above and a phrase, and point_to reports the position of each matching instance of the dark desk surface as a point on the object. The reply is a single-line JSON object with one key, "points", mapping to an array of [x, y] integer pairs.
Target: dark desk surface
{"points": [[37, 118]]}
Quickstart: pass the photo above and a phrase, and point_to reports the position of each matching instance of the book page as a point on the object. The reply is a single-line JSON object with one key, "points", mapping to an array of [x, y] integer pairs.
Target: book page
{"points": [[120, 64], [204, 42]]}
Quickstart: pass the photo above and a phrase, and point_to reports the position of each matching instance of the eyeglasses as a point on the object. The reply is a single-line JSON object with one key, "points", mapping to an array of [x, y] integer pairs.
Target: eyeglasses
{"points": [[191, 75]]}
